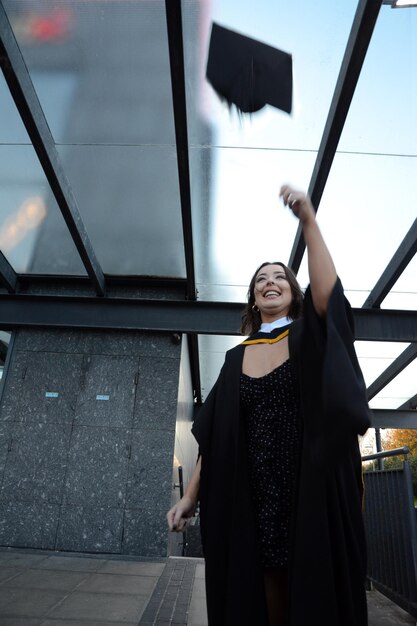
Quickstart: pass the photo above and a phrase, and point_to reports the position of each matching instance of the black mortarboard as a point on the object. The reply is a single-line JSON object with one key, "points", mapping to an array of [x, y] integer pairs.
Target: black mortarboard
{"points": [[248, 73]]}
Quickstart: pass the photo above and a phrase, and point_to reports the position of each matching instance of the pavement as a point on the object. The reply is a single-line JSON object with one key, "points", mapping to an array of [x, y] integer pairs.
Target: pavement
{"points": [[39, 588]]}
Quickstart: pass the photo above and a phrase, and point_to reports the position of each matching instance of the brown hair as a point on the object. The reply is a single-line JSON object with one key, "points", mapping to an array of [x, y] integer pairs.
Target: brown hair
{"points": [[251, 319]]}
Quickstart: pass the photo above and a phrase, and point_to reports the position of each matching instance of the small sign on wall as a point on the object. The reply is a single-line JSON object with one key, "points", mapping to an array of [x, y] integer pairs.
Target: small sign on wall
{"points": [[99, 397], [51, 394]]}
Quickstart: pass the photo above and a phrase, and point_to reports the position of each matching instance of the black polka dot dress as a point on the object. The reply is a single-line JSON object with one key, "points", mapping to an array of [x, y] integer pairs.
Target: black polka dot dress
{"points": [[270, 407]]}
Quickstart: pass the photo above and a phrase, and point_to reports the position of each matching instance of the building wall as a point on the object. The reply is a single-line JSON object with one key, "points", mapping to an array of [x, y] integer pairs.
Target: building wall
{"points": [[87, 429], [186, 449]]}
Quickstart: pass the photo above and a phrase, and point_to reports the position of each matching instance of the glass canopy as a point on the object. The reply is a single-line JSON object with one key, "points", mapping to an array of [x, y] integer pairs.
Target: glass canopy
{"points": [[101, 72]]}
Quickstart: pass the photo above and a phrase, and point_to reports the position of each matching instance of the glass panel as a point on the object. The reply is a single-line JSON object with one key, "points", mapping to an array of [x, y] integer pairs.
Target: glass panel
{"points": [[102, 68], [129, 201], [212, 349], [33, 234], [403, 295], [12, 129], [314, 33], [237, 199], [401, 389], [382, 115], [364, 215], [375, 356]]}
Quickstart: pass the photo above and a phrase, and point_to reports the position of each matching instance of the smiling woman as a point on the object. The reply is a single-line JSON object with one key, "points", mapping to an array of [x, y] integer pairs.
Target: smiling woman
{"points": [[251, 318], [278, 440]]}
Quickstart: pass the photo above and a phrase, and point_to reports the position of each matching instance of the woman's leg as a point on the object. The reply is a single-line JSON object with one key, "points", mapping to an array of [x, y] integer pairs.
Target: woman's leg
{"points": [[276, 590]]}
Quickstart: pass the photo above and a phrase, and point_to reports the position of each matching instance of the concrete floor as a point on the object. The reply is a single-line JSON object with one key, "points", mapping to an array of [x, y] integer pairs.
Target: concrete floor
{"points": [[56, 589]]}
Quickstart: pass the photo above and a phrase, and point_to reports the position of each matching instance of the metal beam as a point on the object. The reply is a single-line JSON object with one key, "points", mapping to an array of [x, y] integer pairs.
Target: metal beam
{"points": [[409, 405], [195, 367], [385, 325], [357, 46], [24, 95], [402, 257], [7, 274], [393, 418], [176, 57], [405, 358], [185, 316]]}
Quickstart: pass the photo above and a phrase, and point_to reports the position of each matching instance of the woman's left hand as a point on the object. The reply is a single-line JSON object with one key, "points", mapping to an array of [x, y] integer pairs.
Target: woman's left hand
{"points": [[298, 202]]}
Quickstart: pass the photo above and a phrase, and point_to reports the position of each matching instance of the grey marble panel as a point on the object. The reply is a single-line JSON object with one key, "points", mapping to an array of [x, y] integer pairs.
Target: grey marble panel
{"points": [[90, 529], [132, 343], [145, 532], [6, 431], [156, 397], [108, 390], [42, 387], [28, 525], [36, 463], [150, 470], [97, 342], [51, 340], [97, 467]]}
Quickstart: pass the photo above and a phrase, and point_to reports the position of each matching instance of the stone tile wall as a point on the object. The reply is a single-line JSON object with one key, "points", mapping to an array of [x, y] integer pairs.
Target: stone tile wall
{"points": [[87, 430]]}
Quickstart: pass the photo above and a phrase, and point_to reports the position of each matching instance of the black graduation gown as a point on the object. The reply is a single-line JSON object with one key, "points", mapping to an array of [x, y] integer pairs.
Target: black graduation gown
{"points": [[328, 553]]}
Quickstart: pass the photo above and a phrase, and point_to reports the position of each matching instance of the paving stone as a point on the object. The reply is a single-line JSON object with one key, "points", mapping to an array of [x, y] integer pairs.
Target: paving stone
{"points": [[100, 606], [133, 567], [71, 563], [20, 559], [7, 573], [117, 583], [65, 622], [31, 579], [18, 621], [27, 602], [383, 612]]}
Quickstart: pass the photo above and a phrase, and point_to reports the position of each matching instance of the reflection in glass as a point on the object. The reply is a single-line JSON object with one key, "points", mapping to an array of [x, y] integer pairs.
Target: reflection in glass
{"points": [[128, 198], [30, 218], [111, 64]]}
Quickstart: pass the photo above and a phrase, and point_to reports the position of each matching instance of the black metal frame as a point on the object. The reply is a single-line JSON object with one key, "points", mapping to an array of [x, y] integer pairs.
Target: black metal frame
{"points": [[176, 57], [184, 316], [397, 366], [360, 36], [394, 418], [406, 250], [23, 92], [189, 316], [7, 274]]}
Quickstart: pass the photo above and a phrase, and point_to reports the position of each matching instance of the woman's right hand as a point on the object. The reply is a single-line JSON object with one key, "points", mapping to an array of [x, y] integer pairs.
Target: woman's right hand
{"points": [[180, 514]]}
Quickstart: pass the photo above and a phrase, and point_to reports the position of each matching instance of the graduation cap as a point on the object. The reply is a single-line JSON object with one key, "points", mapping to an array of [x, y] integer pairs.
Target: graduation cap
{"points": [[248, 73]]}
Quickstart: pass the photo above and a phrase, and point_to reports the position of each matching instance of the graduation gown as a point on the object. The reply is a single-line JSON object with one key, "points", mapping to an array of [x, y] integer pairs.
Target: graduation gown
{"points": [[327, 564]]}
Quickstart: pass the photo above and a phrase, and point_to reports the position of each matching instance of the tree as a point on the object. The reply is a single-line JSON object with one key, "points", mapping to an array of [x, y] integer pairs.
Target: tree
{"points": [[399, 437]]}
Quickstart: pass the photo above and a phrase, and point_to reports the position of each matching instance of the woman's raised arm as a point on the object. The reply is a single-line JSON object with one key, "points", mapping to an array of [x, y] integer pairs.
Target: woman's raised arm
{"points": [[321, 268]]}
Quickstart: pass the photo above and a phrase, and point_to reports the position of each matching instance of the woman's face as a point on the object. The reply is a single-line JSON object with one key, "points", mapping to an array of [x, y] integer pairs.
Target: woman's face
{"points": [[272, 292]]}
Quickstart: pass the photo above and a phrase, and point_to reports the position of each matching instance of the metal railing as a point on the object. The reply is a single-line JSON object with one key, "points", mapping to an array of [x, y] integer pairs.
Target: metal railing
{"points": [[391, 530]]}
